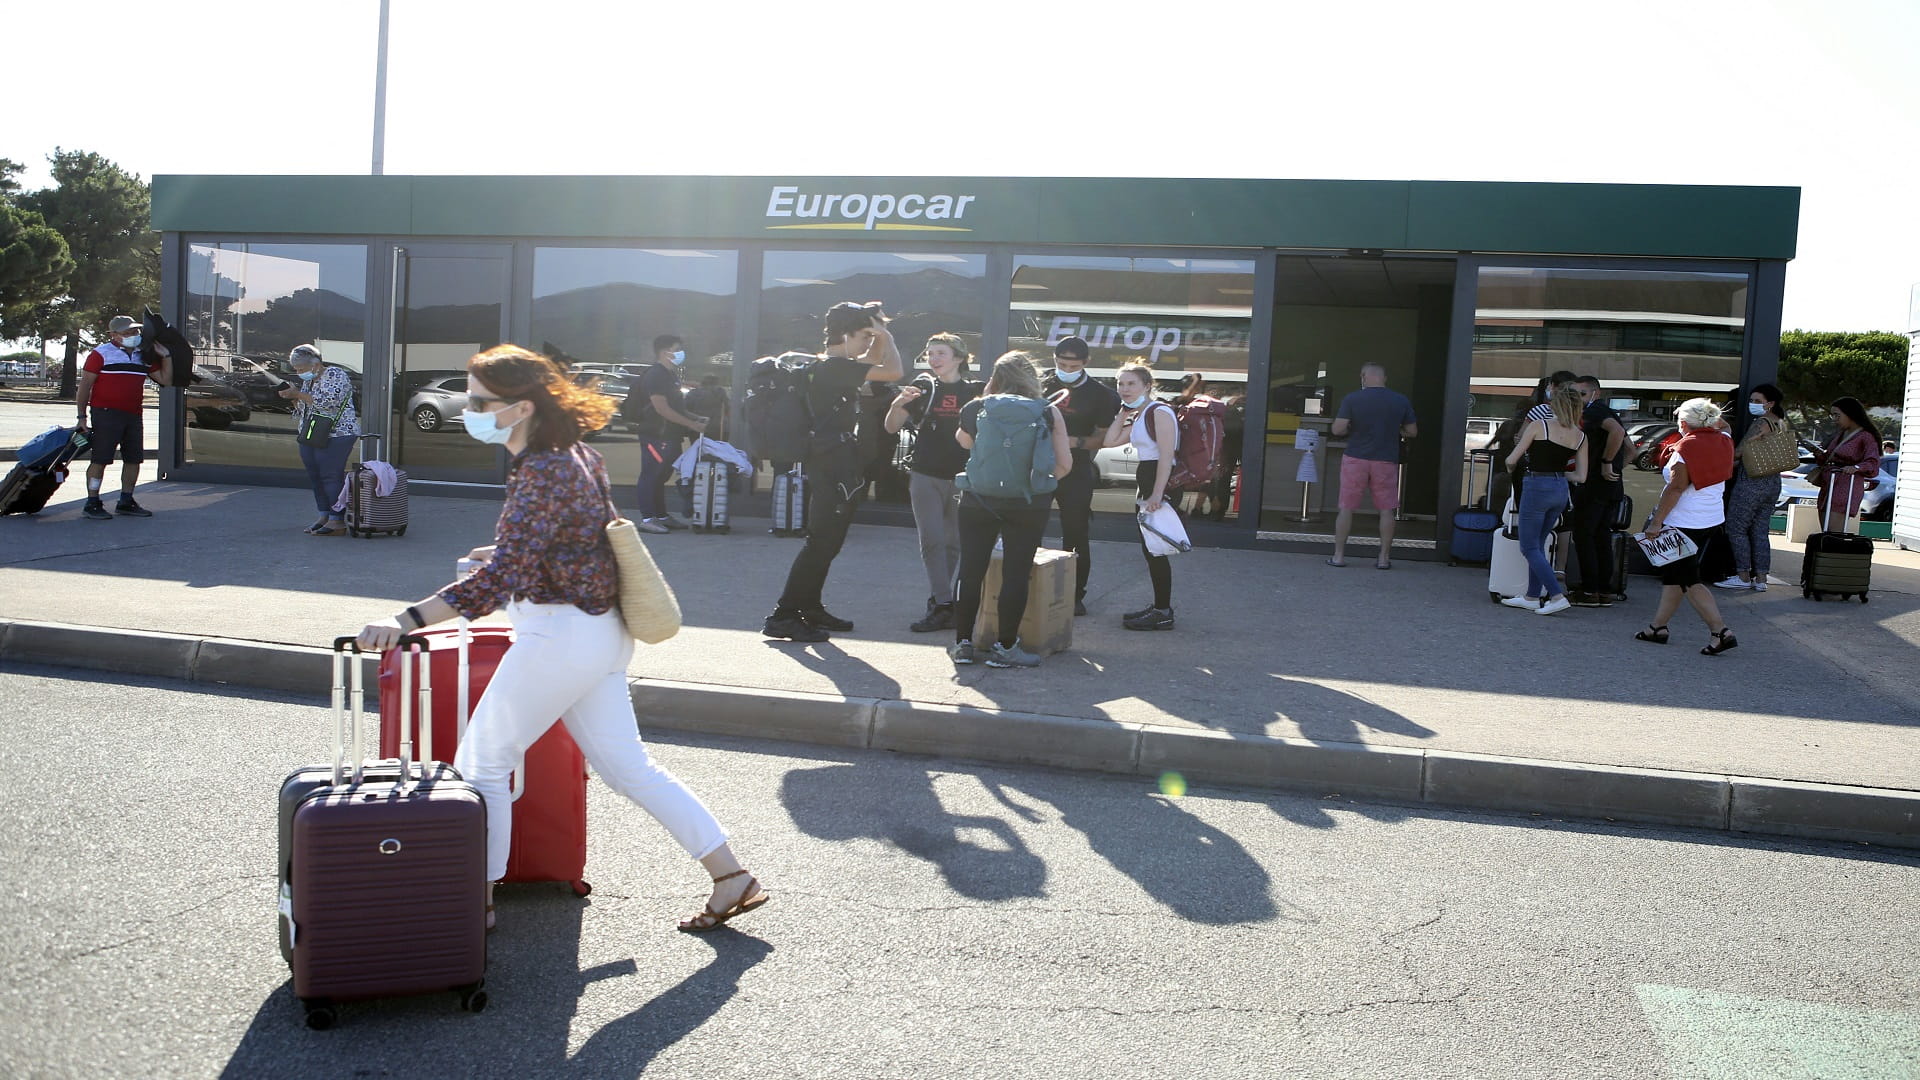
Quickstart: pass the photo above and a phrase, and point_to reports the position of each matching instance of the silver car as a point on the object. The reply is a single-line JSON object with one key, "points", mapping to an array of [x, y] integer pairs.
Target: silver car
{"points": [[438, 403]]}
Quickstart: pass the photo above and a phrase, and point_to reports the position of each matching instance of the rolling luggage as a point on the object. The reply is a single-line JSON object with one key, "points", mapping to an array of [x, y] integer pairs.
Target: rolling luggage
{"points": [[1836, 562], [710, 482], [1507, 568], [370, 513], [790, 503], [1617, 586], [549, 790], [382, 869], [1475, 523], [41, 469]]}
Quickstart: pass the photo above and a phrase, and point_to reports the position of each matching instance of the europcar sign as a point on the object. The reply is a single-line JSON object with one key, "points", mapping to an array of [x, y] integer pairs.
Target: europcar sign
{"points": [[867, 211]]}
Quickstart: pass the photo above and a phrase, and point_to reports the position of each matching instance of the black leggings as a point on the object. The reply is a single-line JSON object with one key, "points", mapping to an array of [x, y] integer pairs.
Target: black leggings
{"points": [[1019, 533], [1159, 567]]}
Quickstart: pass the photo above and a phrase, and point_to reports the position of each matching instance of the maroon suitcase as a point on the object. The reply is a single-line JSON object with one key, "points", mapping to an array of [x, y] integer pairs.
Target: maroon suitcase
{"points": [[383, 872]]}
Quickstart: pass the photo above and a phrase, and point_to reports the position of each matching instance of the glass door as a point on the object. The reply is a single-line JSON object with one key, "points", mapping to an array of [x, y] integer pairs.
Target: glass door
{"points": [[449, 302]]}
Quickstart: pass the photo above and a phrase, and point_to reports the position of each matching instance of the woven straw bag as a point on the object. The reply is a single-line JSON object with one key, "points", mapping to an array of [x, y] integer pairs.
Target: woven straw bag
{"points": [[1771, 453], [647, 604]]}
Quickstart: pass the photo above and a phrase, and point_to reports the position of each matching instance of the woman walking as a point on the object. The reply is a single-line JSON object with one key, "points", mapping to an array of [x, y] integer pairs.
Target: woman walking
{"points": [[1549, 448], [324, 391], [1697, 472], [551, 568], [1010, 404], [1847, 462], [1750, 503], [1155, 439], [933, 403]]}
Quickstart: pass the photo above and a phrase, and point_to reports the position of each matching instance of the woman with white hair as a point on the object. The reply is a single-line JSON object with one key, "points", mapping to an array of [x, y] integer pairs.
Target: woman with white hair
{"points": [[325, 392], [1697, 473]]}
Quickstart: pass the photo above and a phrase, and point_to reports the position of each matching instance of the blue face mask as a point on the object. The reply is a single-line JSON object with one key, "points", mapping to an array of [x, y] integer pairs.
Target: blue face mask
{"points": [[679, 356], [308, 376], [1134, 403], [130, 342], [482, 426]]}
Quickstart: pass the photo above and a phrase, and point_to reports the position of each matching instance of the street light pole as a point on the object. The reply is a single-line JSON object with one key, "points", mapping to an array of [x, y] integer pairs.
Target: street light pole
{"points": [[380, 98]]}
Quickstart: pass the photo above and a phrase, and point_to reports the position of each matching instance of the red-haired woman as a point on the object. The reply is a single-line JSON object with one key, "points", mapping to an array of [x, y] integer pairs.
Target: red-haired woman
{"points": [[552, 569]]}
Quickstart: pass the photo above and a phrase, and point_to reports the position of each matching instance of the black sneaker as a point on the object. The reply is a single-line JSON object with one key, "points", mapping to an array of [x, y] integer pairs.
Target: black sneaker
{"points": [[126, 507], [94, 510], [938, 617], [792, 627], [1150, 619], [1141, 614], [1581, 599], [1079, 607], [822, 619]]}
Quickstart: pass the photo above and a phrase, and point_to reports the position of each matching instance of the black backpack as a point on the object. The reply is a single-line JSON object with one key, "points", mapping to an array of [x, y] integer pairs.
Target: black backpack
{"points": [[779, 421]]}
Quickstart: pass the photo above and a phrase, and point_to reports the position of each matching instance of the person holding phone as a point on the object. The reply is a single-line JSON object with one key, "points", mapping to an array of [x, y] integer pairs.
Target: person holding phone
{"points": [[1852, 453], [327, 390], [932, 403]]}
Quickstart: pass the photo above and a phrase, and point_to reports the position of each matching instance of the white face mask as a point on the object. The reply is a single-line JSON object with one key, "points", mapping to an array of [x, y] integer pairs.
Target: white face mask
{"points": [[1756, 408], [1071, 378], [482, 426]]}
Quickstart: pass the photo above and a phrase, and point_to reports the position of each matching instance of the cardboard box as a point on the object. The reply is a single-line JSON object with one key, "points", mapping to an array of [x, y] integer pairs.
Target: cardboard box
{"points": [[1047, 627]]}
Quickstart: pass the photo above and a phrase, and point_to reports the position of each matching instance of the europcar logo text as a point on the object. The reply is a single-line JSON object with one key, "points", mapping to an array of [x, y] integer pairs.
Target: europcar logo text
{"points": [[867, 213]]}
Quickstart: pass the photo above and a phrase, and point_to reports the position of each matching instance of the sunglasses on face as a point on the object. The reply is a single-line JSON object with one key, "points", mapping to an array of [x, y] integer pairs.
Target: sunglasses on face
{"points": [[479, 402]]}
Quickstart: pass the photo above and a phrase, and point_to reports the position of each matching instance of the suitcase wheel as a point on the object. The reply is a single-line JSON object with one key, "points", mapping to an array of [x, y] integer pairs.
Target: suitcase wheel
{"points": [[403, 532], [580, 888], [473, 997], [320, 1015]]}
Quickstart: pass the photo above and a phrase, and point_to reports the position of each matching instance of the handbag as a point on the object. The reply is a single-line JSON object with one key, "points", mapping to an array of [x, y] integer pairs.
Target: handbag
{"points": [[647, 605], [1162, 530], [1771, 453], [316, 430], [1666, 546]]}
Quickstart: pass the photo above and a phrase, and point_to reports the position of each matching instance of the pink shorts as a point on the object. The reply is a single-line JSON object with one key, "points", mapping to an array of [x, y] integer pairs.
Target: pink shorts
{"points": [[1359, 475]]}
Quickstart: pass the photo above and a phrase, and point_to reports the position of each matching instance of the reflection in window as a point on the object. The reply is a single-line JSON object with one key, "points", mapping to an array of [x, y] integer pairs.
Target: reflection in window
{"points": [[1180, 315], [246, 306], [604, 306], [926, 293], [1652, 337]]}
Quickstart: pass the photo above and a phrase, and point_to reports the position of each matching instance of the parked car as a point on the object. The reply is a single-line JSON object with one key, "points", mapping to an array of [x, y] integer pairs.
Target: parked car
{"points": [[1480, 432], [257, 382], [1876, 503], [438, 403], [1647, 445], [211, 403], [1116, 465]]}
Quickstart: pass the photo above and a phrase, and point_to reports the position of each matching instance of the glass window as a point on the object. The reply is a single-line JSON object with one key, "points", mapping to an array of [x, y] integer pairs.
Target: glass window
{"points": [[1180, 315], [926, 293], [247, 305], [601, 308]]}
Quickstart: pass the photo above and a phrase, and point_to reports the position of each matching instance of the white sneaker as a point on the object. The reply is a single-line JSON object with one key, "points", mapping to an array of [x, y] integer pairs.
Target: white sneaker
{"points": [[1554, 607], [1759, 585], [1524, 603], [1733, 583], [650, 525]]}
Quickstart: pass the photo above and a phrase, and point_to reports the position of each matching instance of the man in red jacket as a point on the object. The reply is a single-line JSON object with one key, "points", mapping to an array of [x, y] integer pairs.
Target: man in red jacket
{"points": [[113, 382]]}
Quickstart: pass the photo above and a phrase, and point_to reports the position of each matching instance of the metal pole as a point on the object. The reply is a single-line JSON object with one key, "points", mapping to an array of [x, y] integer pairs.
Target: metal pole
{"points": [[380, 98]]}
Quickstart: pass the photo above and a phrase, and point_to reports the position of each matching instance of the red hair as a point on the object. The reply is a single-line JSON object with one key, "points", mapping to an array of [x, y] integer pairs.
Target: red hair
{"points": [[562, 409]]}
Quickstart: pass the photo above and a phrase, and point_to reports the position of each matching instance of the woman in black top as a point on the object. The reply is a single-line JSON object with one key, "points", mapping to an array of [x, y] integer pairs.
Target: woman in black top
{"points": [[1548, 447]]}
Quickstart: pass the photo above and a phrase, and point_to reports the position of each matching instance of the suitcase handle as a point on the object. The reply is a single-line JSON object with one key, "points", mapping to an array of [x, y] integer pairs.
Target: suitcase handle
{"points": [[349, 706], [343, 719]]}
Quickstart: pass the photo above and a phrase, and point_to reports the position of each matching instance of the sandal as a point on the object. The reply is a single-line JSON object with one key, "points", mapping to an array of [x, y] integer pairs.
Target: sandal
{"points": [[320, 524], [1655, 634], [1723, 640], [329, 529], [709, 919]]}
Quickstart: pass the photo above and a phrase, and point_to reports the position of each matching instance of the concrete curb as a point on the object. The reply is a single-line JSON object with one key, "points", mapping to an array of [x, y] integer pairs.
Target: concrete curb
{"points": [[1435, 778]]}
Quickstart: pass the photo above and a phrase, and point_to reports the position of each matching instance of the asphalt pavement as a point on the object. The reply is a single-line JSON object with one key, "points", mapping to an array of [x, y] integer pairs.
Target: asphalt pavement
{"points": [[934, 919]]}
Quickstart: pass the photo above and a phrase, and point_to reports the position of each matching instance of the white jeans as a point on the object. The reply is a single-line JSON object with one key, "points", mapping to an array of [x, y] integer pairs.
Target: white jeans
{"points": [[570, 665]]}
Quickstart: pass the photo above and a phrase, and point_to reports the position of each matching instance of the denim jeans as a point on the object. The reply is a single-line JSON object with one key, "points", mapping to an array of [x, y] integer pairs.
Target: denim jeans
{"points": [[1542, 500], [327, 470]]}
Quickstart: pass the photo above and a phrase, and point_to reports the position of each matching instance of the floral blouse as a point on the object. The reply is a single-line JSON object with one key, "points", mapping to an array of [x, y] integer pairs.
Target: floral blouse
{"points": [[550, 546], [332, 395]]}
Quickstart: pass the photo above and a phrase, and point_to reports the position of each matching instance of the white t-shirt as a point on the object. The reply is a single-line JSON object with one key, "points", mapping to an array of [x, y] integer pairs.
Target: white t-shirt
{"points": [[1698, 508], [1141, 434]]}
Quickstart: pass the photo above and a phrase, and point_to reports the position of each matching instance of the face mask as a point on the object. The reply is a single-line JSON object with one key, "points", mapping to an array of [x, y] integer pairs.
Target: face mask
{"points": [[1756, 408], [482, 426], [679, 356], [1071, 378], [131, 341], [307, 376], [1134, 403]]}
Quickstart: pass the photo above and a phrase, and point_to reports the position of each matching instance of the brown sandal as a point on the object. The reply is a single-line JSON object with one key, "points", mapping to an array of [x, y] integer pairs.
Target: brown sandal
{"points": [[709, 919]]}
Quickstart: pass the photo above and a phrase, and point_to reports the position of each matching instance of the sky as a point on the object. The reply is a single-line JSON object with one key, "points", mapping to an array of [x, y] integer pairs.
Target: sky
{"points": [[1823, 95]]}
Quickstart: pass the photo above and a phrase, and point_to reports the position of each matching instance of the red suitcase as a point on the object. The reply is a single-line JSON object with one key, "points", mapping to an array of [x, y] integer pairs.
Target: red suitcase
{"points": [[383, 871], [549, 789]]}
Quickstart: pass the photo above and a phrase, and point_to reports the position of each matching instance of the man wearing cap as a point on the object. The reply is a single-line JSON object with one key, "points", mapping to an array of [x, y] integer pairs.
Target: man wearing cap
{"points": [[113, 384], [1089, 407]]}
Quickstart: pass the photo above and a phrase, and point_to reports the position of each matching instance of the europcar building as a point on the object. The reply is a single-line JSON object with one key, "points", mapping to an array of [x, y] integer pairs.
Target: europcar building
{"points": [[1278, 290]]}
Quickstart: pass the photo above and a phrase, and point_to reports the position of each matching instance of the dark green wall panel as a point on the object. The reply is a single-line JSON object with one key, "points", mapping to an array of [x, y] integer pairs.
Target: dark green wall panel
{"points": [[1605, 219], [282, 204]]}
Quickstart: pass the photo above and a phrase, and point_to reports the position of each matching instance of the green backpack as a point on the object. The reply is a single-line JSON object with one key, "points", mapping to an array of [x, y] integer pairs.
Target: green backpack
{"points": [[1012, 454]]}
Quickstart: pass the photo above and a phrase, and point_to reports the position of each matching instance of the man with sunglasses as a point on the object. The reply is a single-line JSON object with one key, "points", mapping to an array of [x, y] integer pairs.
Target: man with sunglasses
{"points": [[1088, 406], [859, 350]]}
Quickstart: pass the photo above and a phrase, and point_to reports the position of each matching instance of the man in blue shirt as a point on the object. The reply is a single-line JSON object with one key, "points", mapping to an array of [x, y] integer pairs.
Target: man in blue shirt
{"points": [[1373, 420]]}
